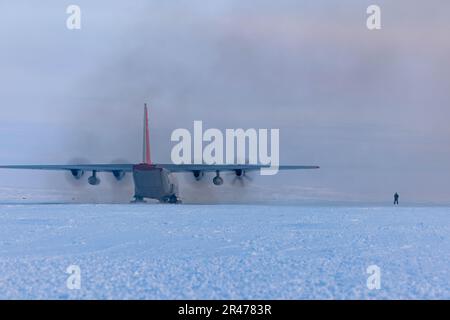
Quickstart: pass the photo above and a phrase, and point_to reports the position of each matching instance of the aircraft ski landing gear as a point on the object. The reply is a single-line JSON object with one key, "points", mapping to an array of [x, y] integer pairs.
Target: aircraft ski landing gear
{"points": [[173, 199], [218, 181], [138, 199]]}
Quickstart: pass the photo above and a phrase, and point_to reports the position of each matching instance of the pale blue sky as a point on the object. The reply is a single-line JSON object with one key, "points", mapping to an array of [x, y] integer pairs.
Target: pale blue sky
{"points": [[370, 107]]}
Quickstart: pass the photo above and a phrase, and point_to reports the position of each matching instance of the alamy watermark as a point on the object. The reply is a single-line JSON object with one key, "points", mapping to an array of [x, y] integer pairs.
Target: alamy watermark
{"points": [[235, 146], [73, 22], [374, 279], [374, 20], [74, 280]]}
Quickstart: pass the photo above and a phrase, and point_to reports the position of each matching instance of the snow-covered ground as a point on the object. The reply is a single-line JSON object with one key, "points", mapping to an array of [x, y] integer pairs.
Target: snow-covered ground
{"points": [[223, 252]]}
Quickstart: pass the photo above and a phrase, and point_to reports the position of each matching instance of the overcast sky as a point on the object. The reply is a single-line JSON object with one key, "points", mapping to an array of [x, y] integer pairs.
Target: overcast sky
{"points": [[370, 107]]}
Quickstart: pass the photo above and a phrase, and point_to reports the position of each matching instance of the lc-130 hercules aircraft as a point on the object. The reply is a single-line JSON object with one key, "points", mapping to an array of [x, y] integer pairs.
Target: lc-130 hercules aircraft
{"points": [[151, 180]]}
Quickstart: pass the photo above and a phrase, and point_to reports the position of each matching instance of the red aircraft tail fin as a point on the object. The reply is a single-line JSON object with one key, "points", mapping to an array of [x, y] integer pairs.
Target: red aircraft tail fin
{"points": [[146, 145]]}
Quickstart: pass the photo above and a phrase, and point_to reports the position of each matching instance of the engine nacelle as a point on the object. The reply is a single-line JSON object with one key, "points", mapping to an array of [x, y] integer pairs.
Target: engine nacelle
{"points": [[198, 175], [119, 175], [239, 173], [77, 174]]}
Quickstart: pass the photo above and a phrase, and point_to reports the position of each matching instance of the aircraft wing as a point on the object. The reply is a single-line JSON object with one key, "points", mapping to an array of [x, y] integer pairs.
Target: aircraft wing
{"points": [[70, 167], [169, 167], [225, 167]]}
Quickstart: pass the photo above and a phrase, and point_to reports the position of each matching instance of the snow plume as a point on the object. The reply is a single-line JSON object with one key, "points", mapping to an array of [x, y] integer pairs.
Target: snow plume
{"points": [[369, 107]]}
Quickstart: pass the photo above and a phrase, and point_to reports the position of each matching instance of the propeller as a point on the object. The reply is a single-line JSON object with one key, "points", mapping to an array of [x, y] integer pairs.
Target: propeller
{"points": [[120, 183], [241, 177], [77, 178], [79, 182], [119, 178], [198, 191]]}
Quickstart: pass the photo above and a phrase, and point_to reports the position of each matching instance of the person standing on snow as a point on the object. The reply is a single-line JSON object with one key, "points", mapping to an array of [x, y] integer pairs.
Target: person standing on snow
{"points": [[396, 196]]}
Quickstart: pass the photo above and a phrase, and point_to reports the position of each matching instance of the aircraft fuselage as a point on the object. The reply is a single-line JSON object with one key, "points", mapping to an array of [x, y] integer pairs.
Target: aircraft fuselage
{"points": [[154, 183]]}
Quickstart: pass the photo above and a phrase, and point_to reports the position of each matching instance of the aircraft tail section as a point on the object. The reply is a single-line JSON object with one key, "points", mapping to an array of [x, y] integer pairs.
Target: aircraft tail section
{"points": [[146, 141]]}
